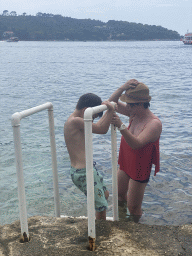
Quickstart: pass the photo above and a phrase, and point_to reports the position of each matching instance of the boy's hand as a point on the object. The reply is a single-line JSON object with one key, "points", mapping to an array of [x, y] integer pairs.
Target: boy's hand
{"points": [[109, 105]]}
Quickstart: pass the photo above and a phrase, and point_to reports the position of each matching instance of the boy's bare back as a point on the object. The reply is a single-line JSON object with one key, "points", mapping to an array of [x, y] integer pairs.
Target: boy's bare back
{"points": [[74, 133], [75, 141]]}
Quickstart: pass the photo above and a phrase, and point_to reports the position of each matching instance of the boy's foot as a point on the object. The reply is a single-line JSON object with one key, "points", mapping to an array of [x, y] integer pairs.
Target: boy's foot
{"points": [[106, 194]]}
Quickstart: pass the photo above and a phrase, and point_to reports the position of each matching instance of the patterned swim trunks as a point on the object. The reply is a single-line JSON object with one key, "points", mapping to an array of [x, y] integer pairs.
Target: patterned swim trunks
{"points": [[78, 177]]}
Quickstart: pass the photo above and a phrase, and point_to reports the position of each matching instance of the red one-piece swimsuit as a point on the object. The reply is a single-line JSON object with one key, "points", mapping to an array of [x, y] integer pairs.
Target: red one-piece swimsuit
{"points": [[137, 163]]}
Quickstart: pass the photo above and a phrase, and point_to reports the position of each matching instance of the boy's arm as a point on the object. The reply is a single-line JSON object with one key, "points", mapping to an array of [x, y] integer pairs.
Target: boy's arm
{"points": [[102, 126]]}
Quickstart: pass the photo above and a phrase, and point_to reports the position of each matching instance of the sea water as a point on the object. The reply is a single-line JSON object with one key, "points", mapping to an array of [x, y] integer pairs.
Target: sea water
{"points": [[32, 73]]}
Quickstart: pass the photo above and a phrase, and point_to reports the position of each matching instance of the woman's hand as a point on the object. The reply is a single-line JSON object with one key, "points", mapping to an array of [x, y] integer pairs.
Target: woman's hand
{"points": [[116, 120], [131, 84]]}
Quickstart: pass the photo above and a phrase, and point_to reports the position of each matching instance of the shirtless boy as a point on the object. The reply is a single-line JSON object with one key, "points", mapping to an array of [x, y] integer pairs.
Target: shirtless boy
{"points": [[75, 142], [139, 147]]}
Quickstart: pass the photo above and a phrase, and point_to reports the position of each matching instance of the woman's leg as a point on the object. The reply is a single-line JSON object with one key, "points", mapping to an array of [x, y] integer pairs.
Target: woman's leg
{"points": [[135, 197], [123, 181]]}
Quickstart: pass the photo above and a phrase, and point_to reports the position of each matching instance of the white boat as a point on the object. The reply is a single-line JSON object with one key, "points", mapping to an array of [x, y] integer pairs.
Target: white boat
{"points": [[187, 39], [13, 39]]}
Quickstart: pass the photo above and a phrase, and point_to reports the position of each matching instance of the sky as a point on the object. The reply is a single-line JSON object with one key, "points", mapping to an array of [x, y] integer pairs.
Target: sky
{"points": [[171, 14]]}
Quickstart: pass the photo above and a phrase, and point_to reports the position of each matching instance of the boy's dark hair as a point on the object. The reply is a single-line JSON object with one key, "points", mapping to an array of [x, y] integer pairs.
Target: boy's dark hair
{"points": [[89, 100]]}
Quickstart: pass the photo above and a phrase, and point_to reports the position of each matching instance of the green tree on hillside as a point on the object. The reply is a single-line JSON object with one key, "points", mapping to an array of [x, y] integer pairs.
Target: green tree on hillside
{"points": [[5, 12], [46, 26]]}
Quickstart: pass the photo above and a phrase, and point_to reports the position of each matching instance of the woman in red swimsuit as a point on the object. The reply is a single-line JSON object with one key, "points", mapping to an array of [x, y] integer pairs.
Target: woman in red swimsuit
{"points": [[139, 147]]}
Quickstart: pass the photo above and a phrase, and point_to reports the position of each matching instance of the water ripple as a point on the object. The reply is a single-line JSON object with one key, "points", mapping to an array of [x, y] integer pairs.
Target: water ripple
{"points": [[33, 73]]}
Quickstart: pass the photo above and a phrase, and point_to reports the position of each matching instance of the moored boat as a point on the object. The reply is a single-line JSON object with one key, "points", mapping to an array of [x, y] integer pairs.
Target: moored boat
{"points": [[13, 39], [187, 38]]}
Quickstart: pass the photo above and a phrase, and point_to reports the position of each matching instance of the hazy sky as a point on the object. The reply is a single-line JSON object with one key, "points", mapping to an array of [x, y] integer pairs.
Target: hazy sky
{"points": [[172, 14]]}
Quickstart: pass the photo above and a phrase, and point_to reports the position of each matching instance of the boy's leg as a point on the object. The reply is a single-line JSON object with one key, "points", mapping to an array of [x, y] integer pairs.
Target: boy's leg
{"points": [[106, 194], [101, 215], [101, 195]]}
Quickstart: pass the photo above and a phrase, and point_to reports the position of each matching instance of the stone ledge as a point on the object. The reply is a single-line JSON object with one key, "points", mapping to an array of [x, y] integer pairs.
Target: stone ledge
{"points": [[68, 236]]}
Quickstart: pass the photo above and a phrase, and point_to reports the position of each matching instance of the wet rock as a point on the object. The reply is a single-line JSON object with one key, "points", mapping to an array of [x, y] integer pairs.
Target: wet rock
{"points": [[66, 236]]}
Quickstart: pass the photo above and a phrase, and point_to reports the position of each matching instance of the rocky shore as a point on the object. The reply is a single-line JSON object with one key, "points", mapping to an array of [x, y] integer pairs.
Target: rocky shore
{"points": [[68, 236]]}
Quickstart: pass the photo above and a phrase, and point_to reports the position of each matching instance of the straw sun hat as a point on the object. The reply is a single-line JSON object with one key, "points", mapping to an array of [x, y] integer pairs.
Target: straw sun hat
{"points": [[140, 94]]}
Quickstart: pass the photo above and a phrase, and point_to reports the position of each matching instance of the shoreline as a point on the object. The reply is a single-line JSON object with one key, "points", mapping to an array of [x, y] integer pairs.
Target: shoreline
{"points": [[110, 40], [152, 40], [69, 236]]}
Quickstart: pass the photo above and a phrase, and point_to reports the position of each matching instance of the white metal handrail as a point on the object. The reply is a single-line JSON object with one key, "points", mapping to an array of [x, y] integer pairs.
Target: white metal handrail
{"points": [[16, 118], [89, 112]]}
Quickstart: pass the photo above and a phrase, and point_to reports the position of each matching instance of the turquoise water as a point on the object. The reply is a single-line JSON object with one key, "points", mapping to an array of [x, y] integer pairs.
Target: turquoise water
{"points": [[32, 73]]}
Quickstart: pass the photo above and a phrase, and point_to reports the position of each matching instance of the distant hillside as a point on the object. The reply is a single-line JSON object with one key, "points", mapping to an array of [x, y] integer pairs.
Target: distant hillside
{"points": [[56, 27]]}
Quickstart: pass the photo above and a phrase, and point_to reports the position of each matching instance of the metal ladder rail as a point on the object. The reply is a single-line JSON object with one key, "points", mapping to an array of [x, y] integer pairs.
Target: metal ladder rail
{"points": [[89, 112], [16, 118]]}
